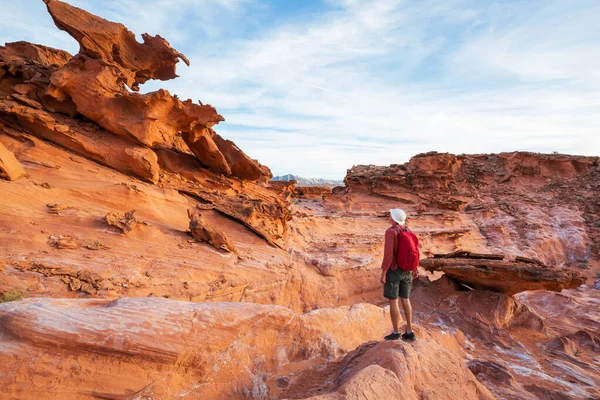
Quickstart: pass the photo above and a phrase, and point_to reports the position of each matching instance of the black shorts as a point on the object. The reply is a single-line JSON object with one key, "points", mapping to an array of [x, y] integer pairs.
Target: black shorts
{"points": [[397, 284]]}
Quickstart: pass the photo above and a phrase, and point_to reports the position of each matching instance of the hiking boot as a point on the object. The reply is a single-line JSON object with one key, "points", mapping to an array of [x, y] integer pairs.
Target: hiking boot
{"points": [[392, 336], [409, 337]]}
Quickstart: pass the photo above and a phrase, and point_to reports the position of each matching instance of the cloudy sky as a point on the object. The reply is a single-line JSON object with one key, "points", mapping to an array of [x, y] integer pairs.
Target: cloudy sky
{"points": [[314, 87]]}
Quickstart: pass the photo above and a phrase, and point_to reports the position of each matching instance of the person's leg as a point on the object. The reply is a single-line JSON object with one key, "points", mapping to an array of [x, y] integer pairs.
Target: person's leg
{"points": [[405, 286], [390, 292], [395, 314], [407, 312]]}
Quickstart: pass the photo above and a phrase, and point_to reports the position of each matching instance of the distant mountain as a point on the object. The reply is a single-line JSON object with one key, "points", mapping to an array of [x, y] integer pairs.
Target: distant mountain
{"points": [[308, 181]]}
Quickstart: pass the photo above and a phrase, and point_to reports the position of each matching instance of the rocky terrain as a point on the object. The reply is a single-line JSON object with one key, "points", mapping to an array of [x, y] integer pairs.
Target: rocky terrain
{"points": [[155, 260]]}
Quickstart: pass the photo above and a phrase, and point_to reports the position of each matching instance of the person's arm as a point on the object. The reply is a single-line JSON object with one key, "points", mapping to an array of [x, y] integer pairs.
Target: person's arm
{"points": [[388, 254]]}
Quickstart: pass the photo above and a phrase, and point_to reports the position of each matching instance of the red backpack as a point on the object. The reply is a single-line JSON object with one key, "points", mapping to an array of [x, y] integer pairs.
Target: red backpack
{"points": [[408, 249]]}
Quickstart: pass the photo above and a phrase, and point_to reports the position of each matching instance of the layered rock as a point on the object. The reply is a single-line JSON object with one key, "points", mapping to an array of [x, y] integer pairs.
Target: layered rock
{"points": [[503, 275], [115, 58], [126, 130], [265, 211], [312, 192], [542, 206], [226, 337], [114, 43], [87, 140], [223, 350], [201, 350]]}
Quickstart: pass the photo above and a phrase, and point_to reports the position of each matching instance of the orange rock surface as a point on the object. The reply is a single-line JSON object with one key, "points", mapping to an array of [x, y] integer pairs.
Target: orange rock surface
{"points": [[295, 308]]}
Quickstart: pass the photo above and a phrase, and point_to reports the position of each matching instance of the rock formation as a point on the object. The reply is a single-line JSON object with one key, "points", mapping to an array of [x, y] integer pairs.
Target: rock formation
{"points": [[124, 223], [202, 231], [312, 192], [523, 204], [501, 275], [408, 371], [42, 89]]}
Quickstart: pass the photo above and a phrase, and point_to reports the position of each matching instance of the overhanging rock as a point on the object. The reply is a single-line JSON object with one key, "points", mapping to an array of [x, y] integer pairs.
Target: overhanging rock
{"points": [[510, 276]]}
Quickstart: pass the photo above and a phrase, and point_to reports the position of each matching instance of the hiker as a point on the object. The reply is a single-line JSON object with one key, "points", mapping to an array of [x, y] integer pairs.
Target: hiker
{"points": [[399, 268]]}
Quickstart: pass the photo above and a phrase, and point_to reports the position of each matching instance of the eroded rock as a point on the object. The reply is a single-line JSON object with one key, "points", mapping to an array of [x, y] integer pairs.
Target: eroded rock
{"points": [[203, 231], [261, 209], [93, 81], [86, 140], [10, 168], [206, 350], [41, 89], [114, 43], [124, 223], [393, 369], [505, 276]]}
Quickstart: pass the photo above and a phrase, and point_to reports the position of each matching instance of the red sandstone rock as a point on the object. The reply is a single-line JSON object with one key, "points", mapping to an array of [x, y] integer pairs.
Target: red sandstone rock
{"points": [[112, 42], [86, 140], [515, 200], [262, 210], [24, 57], [150, 119], [113, 57], [10, 168], [201, 142], [504, 276], [241, 165], [124, 223], [214, 344], [25, 69], [394, 369], [204, 232], [285, 188]]}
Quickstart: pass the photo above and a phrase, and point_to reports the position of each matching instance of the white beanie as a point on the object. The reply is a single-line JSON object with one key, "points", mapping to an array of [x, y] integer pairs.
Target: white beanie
{"points": [[398, 215]]}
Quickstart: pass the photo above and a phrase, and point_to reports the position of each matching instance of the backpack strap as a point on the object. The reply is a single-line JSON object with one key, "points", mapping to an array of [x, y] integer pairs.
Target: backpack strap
{"points": [[399, 230]]}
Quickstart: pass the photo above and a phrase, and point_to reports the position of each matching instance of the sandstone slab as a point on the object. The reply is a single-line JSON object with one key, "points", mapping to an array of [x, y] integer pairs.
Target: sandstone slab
{"points": [[505, 276]]}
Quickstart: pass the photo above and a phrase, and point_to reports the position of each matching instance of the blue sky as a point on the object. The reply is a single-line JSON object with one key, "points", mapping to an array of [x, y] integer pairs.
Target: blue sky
{"points": [[314, 87]]}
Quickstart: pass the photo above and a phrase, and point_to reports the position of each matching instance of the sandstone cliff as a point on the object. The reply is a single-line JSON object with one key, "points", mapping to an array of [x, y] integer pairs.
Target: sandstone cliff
{"points": [[542, 206]]}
